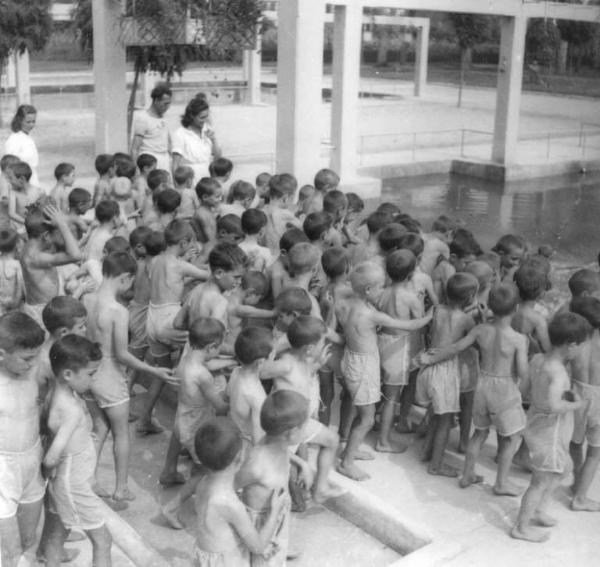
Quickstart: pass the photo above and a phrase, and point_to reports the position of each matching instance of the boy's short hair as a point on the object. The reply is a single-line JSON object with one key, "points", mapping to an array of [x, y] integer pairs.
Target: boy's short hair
{"points": [[241, 191], [303, 257], [167, 201], [391, 236], [178, 230], [106, 210], [125, 166], [19, 331], [294, 300], [316, 224], [7, 160], [412, 225], [257, 281], [205, 331], [443, 224], [8, 240], [139, 235], [117, 263], [365, 274], [117, 244], [217, 443], [413, 242], [161, 89], [220, 167], [503, 299], [226, 257], [461, 288], [282, 185], [230, 224], [334, 202], [103, 163], [21, 170], [389, 208], [464, 244], [584, 281], [156, 178], [326, 178], [61, 311], [306, 192], [262, 179], [568, 328], [305, 330], [155, 243], [546, 250], [145, 160], [253, 221], [291, 237], [282, 411], [335, 262], [509, 242], [378, 221], [63, 169], [77, 196], [73, 352], [530, 281], [182, 174], [588, 307], [36, 223], [207, 187], [253, 343], [400, 264], [482, 271], [492, 259], [355, 203]]}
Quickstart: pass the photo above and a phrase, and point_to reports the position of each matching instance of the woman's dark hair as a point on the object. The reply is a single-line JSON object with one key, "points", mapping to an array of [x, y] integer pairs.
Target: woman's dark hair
{"points": [[194, 107], [22, 112]]}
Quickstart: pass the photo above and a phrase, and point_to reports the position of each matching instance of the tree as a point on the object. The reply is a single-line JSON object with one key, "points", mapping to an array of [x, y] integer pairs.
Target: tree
{"points": [[542, 42], [579, 37], [471, 30], [23, 26]]}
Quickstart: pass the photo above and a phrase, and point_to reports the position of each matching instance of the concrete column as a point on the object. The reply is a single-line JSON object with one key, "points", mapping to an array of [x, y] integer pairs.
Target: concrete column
{"points": [[508, 93], [299, 85], [252, 66], [421, 58], [11, 72], [347, 38], [109, 78], [22, 77]]}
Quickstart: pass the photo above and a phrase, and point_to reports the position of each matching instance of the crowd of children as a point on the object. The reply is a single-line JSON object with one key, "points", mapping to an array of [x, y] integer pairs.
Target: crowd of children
{"points": [[257, 310]]}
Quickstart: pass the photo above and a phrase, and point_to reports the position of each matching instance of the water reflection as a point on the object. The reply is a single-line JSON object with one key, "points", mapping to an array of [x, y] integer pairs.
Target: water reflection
{"points": [[562, 212]]}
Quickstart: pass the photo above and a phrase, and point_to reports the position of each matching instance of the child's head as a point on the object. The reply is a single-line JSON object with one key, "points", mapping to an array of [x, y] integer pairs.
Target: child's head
{"points": [[503, 299], [588, 307], [377, 221], [146, 163], [336, 204], [227, 263], [511, 249], [531, 282], [410, 224], [262, 181], [413, 242], [242, 192], [255, 286], [137, 241], [157, 180], [569, 330], [80, 200], [546, 250], [303, 258], [318, 227], [121, 189], [282, 187], [306, 333], [252, 344], [125, 166], [584, 282], [464, 248], [64, 315], [483, 272], [291, 303], [168, 201], [107, 212], [20, 340], [105, 164], [390, 237], [304, 195], [326, 180], [6, 161], [355, 206], [20, 174], [229, 229], [207, 334], [492, 259], [367, 281], [8, 240], [221, 168], [155, 242], [445, 226], [209, 192], [121, 267], [254, 222], [116, 244], [37, 225], [400, 265], [183, 176], [218, 444], [179, 233], [284, 414], [461, 289], [74, 360], [65, 173], [389, 208], [335, 262], [290, 238]]}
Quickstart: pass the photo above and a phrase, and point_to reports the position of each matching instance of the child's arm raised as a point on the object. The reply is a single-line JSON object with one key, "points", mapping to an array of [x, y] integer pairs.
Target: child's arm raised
{"points": [[249, 311], [188, 270]]}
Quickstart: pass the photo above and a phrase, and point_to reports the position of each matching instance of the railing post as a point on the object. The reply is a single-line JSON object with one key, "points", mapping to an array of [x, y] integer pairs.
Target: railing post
{"points": [[414, 146], [548, 147], [462, 142]]}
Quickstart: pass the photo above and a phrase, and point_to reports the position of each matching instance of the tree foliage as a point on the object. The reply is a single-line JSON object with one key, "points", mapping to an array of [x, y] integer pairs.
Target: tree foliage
{"points": [[470, 29], [542, 41]]}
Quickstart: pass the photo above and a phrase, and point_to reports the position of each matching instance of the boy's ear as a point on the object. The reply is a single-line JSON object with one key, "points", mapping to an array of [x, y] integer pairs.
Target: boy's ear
{"points": [[218, 273], [62, 331]]}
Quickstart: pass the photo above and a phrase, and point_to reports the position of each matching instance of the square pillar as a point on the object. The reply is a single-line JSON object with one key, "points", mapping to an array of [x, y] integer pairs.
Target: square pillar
{"points": [[299, 87], [252, 66], [421, 58], [11, 72], [22, 77], [110, 87], [347, 39], [508, 92]]}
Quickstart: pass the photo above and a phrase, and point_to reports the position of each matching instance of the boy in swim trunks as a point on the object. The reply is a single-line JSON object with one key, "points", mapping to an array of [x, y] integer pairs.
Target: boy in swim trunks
{"points": [[71, 455], [360, 362], [550, 422], [22, 487], [225, 533]]}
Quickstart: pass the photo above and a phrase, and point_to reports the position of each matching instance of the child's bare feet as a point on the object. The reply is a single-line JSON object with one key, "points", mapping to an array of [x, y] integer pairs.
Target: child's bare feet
{"points": [[381, 447], [171, 479], [442, 470], [507, 489], [543, 519], [100, 491], [467, 481], [529, 534], [151, 427], [124, 495], [404, 427], [330, 491], [352, 471], [361, 455], [172, 518], [585, 505], [68, 555]]}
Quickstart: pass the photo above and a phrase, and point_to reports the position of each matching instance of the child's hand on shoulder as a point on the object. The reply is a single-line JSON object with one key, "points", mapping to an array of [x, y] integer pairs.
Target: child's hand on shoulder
{"points": [[166, 374]]}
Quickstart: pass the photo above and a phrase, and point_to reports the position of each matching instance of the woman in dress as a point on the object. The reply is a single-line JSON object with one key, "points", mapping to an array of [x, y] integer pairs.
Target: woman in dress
{"points": [[20, 143]]}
